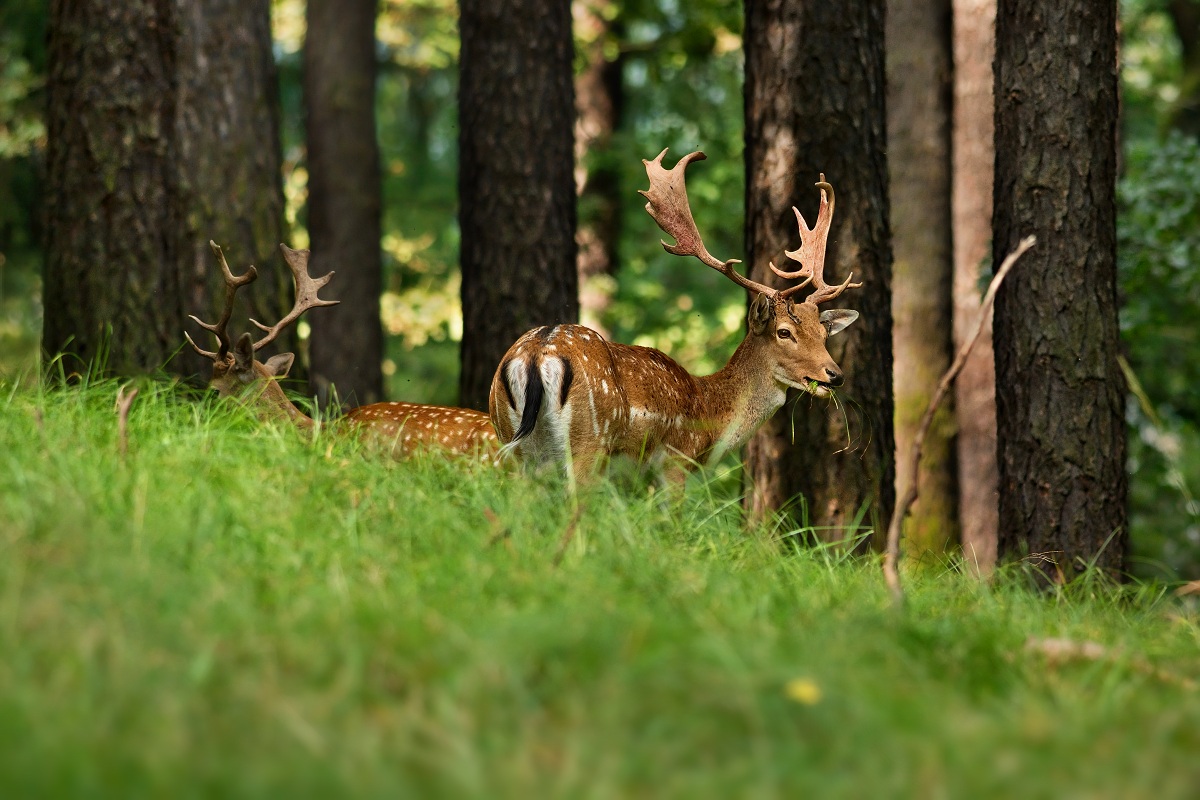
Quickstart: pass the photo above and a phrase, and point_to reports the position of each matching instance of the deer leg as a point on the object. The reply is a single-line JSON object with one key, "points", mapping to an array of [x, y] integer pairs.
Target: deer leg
{"points": [[672, 480]]}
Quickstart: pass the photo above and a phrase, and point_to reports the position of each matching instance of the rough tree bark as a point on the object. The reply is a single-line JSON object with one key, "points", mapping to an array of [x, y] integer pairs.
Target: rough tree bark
{"points": [[975, 389], [163, 132], [516, 182], [344, 198], [919, 63], [598, 101], [815, 103], [1060, 405]]}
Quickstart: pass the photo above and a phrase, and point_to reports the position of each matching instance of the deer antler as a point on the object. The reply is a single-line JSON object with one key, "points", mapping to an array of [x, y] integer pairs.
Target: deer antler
{"points": [[219, 329], [668, 204], [811, 253], [306, 294]]}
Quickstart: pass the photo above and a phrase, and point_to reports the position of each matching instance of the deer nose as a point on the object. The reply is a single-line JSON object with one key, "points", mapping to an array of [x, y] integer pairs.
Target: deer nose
{"points": [[835, 377]]}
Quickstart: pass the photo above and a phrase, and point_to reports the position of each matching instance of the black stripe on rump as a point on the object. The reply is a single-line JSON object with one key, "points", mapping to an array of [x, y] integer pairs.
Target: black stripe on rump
{"points": [[568, 376], [533, 400], [507, 389]]}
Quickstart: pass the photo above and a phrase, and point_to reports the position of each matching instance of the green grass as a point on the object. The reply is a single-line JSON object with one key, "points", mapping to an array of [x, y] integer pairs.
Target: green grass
{"points": [[229, 610]]}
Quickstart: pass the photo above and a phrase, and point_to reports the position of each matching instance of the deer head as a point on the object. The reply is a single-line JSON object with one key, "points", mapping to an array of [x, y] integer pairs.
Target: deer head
{"points": [[788, 337], [236, 370]]}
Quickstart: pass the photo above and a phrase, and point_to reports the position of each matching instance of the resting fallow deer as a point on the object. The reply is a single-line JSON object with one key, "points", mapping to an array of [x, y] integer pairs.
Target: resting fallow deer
{"points": [[564, 395], [401, 428]]}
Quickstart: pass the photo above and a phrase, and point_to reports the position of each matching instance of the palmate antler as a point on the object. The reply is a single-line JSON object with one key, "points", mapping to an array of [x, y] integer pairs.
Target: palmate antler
{"points": [[305, 285], [220, 328], [811, 253], [667, 202], [306, 294], [668, 205]]}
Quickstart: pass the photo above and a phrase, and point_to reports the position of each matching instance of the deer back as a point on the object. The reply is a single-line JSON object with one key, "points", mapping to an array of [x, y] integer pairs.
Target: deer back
{"points": [[406, 428]]}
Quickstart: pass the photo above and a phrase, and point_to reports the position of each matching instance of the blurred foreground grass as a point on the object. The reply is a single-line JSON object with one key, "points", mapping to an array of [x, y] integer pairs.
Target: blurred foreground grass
{"points": [[231, 610]]}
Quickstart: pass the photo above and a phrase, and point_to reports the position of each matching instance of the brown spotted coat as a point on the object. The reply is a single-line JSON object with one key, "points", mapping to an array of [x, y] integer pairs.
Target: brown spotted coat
{"points": [[565, 395], [401, 428]]}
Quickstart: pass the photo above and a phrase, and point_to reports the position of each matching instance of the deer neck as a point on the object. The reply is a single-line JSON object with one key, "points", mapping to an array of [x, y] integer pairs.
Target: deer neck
{"points": [[273, 404], [740, 397]]}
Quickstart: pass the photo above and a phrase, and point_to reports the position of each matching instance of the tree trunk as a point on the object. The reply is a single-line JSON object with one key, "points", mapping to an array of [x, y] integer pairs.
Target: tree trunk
{"points": [[975, 389], [598, 101], [163, 132], [344, 199], [919, 94], [815, 103], [1061, 409], [516, 183]]}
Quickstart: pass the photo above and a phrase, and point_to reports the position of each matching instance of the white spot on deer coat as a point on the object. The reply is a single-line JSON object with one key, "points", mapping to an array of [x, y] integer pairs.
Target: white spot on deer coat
{"points": [[595, 419]]}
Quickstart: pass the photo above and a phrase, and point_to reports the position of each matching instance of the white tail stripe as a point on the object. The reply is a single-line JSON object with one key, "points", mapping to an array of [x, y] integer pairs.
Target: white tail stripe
{"points": [[552, 378]]}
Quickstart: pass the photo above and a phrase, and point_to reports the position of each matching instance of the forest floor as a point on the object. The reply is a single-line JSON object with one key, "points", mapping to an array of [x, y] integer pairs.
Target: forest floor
{"points": [[229, 610]]}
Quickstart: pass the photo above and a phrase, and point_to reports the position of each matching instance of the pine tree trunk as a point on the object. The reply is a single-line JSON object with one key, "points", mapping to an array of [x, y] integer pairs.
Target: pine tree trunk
{"points": [[162, 133], [975, 389], [344, 199], [516, 182], [1060, 405], [815, 103], [598, 101], [919, 94]]}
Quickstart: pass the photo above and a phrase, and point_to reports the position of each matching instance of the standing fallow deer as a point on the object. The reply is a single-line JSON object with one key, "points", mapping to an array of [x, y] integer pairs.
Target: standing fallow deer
{"points": [[564, 395], [401, 428]]}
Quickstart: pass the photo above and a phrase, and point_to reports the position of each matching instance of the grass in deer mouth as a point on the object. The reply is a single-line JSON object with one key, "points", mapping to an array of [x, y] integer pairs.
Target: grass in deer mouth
{"points": [[237, 609]]}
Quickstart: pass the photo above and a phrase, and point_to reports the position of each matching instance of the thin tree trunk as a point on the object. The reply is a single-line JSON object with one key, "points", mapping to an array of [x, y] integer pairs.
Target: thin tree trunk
{"points": [[975, 389], [1061, 409], [230, 161], [815, 103], [344, 198], [162, 133], [919, 94], [598, 101], [516, 183]]}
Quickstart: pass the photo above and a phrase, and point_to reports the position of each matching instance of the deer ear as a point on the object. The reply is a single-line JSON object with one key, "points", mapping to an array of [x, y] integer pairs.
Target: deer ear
{"points": [[837, 320], [279, 365], [762, 309], [243, 354]]}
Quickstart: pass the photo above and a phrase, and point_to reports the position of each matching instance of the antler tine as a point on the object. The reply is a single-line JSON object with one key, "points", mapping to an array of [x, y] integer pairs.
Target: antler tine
{"points": [[220, 327], [206, 353], [811, 253], [306, 294], [667, 203]]}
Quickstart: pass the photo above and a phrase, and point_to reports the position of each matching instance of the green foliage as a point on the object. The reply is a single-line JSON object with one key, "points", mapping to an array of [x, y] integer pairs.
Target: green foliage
{"points": [[1151, 72], [21, 126], [230, 610], [1159, 246], [22, 143], [1157, 224]]}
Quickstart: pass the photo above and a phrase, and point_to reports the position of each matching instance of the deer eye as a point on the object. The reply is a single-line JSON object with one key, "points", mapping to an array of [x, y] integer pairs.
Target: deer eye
{"points": [[783, 333]]}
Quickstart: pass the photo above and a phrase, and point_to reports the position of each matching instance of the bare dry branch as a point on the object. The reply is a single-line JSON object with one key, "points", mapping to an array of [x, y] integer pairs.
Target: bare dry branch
{"points": [[1060, 651], [124, 402]]}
